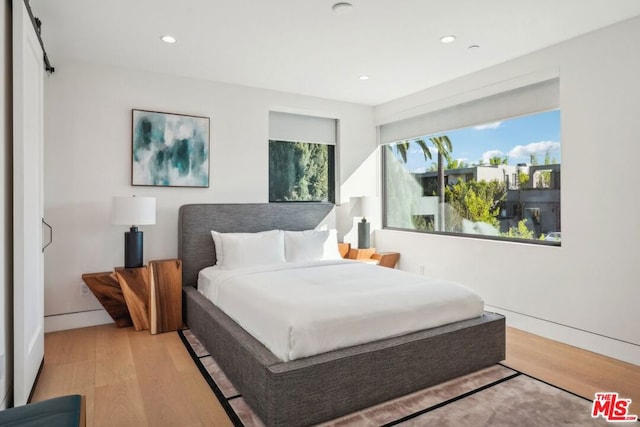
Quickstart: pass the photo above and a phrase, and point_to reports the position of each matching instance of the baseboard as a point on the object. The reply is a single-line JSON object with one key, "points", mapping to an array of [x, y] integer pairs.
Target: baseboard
{"points": [[606, 346], [81, 319]]}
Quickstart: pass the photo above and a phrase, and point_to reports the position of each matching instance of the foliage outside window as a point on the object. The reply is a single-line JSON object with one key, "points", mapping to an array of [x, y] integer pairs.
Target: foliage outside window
{"points": [[301, 172], [499, 180]]}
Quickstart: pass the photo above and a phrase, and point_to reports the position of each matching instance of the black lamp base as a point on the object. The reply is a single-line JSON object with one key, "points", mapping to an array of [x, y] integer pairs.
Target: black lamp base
{"points": [[133, 248], [363, 235]]}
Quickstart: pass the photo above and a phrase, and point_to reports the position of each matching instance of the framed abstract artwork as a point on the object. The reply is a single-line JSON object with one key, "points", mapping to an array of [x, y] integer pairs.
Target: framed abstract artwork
{"points": [[169, 150]]}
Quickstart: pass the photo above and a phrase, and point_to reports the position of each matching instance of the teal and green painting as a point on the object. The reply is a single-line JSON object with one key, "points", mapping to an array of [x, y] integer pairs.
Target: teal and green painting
{"points": [[170, 150]]}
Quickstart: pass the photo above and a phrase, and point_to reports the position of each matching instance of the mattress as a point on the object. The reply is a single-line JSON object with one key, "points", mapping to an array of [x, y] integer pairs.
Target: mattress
{"points": [[302, 309]]}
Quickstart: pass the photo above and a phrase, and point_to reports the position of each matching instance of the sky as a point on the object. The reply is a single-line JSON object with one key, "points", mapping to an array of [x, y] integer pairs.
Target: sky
{"points": [[516, 138]]}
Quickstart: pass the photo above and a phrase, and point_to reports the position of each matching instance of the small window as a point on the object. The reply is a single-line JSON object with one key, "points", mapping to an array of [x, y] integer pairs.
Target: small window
{"points": [[302, 162], [301, 172]]}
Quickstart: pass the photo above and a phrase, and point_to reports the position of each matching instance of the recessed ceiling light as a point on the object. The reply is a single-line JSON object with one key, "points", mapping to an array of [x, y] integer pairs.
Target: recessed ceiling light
{"points": [[364, 77], [168, 39], [448, 39], [342, 8], [474, 46]]}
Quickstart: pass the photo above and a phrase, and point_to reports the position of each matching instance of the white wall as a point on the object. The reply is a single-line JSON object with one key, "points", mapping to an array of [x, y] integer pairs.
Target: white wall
{"points": [[586, 292], [88, 160], [6, 243]]}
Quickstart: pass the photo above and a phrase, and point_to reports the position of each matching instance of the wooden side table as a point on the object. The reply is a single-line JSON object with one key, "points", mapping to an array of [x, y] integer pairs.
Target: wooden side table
{"points": [[360, 254], [165, 302], [145, 297], [135, 288], [384, 259], [107, 290], [343, 249]]}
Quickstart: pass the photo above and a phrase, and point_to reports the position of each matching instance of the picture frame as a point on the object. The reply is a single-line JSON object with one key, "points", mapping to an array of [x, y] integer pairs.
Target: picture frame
{"points": [[169, 149]]}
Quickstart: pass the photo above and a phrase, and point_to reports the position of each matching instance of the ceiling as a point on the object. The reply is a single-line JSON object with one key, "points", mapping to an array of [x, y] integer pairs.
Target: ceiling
{"points": [[302, 46]]}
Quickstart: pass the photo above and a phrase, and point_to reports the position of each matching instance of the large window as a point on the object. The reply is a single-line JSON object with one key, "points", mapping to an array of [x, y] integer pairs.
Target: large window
{"points": [[301, 158], [497, 179]]}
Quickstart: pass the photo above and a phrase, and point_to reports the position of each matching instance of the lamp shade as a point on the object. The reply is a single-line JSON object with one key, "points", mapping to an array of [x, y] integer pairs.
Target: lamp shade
{"points": [[133, 211]]}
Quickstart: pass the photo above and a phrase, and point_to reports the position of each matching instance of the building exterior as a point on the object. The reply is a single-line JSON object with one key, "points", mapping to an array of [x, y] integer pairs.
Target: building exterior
{"points": [[537, 200]]}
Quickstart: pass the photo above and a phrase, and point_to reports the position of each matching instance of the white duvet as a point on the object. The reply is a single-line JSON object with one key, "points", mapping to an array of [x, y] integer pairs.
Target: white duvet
{"points": [[302, 309]]}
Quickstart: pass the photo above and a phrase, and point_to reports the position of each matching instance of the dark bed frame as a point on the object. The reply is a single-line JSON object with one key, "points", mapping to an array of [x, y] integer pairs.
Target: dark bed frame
{"points": [[318, 388]]}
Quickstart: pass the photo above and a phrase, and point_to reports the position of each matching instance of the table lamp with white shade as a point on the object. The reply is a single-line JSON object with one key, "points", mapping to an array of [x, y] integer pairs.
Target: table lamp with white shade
{"points": [[357, 205], [133, 211]]}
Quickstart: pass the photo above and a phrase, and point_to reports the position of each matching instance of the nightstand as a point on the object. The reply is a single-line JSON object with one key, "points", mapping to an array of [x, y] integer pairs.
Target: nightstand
{"points": [[107, 290], [124, 294], [369, 255], [387, 259], [145, 297], [135, 288], [165, 303], [361, 254]]}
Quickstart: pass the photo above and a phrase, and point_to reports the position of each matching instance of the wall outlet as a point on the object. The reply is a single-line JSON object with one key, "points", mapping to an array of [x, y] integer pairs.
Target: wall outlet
{"points": [[422, 269], [84, 290]]}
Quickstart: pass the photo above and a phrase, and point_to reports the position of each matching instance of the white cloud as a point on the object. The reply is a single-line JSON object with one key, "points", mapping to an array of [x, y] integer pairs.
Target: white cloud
{"points": [[535, 148], [418, 170], [494, 125], [490, 154]]}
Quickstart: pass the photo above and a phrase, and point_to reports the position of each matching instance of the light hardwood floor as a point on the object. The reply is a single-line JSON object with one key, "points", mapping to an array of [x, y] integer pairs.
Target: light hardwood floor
{"points": [[129, 378], [133, 378]]}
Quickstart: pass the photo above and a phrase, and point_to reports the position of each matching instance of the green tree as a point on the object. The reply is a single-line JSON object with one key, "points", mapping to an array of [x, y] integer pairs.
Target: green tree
{"points": [[456, 164], [298, 171], [476, 201], [403, 147], [544, 177], [444, 147], [422, 222], [520, 232], [523, 179], [497, 160]]}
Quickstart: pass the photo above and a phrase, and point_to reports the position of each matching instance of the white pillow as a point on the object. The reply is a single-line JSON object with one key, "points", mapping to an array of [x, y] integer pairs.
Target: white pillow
{"points": [[311, 245], [238, 250]]}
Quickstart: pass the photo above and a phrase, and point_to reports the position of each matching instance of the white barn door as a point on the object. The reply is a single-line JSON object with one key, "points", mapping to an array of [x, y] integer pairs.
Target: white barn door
{"points": [[28, 286]]}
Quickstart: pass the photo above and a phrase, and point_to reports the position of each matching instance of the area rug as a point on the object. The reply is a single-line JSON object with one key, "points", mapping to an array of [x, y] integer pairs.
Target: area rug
{"points": [[493, 397]]}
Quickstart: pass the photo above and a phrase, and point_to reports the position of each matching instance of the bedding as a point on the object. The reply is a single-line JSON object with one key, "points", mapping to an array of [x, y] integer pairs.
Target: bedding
{"points": [[300, 309], [311, 245], [237, 250]]}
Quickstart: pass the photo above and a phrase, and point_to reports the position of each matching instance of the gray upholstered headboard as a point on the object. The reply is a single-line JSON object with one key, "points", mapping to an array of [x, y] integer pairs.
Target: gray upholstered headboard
{"points": [[195, 222]]}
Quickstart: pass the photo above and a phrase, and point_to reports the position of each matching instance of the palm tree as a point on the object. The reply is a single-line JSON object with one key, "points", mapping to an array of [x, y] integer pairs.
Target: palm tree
{"points": [[497, 160], [443, 145], [403, 147]]}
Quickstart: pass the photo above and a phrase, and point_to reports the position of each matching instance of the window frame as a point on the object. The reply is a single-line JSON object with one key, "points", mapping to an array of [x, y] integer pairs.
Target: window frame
{"points": [[287, 125], [384, 191], [331, 174]]}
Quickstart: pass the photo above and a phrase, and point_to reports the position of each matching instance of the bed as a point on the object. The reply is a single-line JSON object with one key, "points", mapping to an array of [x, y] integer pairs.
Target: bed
{"points": [[313, 389]]}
